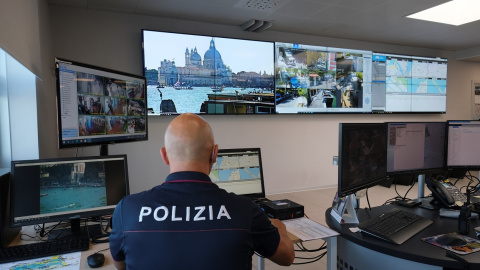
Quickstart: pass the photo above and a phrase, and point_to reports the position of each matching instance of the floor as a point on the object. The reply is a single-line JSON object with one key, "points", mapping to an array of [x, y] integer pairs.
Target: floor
{"points": [[316, 202]]}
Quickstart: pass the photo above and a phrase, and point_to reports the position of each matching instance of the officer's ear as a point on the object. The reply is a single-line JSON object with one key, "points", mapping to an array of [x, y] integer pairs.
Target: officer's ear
{"points": [[163, 153], [213, 157]]}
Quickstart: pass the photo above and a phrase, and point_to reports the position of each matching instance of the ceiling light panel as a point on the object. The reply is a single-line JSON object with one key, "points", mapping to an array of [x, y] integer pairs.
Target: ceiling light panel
{"points": [[456, 12]]}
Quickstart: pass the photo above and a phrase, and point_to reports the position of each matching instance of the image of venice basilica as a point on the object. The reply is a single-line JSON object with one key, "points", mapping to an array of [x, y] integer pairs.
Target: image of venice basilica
{"points": [[212, 71]]}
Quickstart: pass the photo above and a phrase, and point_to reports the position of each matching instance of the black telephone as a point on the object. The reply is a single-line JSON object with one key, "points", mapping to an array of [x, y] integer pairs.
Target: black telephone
{"points": [[445, 192]]}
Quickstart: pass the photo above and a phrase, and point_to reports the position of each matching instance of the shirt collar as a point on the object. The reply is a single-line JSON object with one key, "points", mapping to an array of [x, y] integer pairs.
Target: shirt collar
{"points": [[188, 176]]}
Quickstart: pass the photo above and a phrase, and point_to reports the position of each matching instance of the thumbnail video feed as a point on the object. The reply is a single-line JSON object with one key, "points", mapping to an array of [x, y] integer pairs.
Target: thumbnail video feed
{"points": [[109, 106], [90, 84], [135, 91], [310, 80], [115, 88], [115, 106]]}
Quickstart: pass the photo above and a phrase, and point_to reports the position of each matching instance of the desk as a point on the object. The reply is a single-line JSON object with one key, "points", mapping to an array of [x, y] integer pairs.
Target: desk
{"points": [[363, 251], [331, 252], [29, 230], [331, 243]]}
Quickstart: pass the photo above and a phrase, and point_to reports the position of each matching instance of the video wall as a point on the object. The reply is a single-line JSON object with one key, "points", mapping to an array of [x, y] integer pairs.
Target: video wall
{"points": [[216, 75]]}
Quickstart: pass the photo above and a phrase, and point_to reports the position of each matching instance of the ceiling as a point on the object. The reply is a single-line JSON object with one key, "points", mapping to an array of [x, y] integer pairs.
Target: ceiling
{"points": [[381, 21]]}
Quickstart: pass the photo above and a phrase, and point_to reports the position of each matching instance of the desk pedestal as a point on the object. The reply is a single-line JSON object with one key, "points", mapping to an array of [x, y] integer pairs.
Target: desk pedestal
{"points": [[353, 256]]}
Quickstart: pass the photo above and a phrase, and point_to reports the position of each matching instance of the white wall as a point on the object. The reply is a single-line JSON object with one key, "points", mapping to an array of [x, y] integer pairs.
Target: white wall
{"points": [[21, 24], [19, 28], [297, 149]]}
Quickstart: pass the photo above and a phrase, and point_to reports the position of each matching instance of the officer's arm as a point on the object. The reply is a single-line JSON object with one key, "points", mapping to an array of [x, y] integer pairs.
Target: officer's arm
{"points": [[285, 253], [120, 265]]}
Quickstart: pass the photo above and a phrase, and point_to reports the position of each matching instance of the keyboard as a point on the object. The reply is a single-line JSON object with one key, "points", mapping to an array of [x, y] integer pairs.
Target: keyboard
{"points": [[43, 249], [396, 225]]}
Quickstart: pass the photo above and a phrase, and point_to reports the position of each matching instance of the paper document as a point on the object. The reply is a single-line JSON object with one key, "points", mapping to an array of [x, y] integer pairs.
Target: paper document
{"points": [[70, 261], [307, 229]]}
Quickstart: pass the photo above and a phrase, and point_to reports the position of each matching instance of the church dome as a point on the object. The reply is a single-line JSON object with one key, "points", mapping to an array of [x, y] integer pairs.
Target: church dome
{"points": [[212, 53], [195, 56]]}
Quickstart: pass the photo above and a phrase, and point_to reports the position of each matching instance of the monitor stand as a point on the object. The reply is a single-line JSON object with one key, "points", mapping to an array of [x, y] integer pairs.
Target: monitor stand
{"points": [[76, 230], [343, 209], [421, 185]]}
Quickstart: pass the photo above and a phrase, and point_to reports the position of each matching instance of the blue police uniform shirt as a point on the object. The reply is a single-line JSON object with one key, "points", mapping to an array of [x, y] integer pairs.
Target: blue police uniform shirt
{"points": [[188, 222]]}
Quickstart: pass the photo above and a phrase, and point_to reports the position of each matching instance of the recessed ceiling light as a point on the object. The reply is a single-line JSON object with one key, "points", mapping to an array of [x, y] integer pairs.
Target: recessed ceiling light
{"points": [[456, 12]]}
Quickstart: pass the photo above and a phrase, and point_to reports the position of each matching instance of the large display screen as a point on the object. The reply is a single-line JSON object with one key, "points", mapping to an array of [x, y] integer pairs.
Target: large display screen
{"points": [[315, 79], [99, 106], [208, 75], [403, 83]]}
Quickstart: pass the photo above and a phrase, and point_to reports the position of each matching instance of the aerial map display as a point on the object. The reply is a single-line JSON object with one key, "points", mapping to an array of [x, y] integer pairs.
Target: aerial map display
{"points": [[231, 168]]}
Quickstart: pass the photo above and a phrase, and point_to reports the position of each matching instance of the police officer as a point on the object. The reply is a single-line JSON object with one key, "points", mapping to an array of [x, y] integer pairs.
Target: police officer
{"points": [[188, 222]]}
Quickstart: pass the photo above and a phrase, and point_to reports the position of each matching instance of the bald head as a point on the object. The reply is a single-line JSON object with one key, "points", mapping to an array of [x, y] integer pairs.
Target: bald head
{"points": [[189, 144]]}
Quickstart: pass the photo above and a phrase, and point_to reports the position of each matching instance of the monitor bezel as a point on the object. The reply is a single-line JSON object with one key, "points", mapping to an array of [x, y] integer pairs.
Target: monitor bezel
{"points": [[343, 190], [422, 170], [66, 216], [108, 139]]}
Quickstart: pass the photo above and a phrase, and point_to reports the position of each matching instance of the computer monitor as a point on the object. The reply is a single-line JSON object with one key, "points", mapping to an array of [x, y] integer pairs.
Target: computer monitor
{"points": [[50, 190], [239, 171], [415, 147], [99, 106], [362, 156], [463, 147]]}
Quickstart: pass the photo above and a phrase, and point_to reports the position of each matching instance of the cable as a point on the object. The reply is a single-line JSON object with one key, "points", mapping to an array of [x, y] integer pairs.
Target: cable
{"points": [[314, 259], [414, 180], [368, 201], [304, 249]]}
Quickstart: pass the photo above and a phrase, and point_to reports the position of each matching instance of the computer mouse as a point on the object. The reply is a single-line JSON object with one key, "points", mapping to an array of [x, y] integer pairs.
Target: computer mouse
{"points": [[451, 239], [96, 260]]}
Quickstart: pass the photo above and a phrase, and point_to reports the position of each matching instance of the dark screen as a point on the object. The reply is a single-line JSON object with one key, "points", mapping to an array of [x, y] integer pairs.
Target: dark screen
{"points": [[362, 156]]}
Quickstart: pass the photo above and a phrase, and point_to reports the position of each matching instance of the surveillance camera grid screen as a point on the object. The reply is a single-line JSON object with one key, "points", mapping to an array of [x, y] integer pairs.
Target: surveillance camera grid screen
{"points": [[98, 106], [314, 79]]}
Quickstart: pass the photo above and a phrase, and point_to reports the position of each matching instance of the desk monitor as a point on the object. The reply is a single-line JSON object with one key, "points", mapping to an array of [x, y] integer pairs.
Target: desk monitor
{"points": [[50, 190], [239, 171], [415, 147], [98, 106], [463, 147], [362, 156]]}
